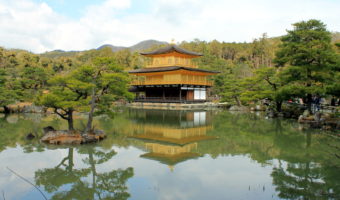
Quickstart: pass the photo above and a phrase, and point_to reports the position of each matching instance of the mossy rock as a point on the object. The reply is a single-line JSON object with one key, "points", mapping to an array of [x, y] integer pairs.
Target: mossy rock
{"points": [[72, 137]]}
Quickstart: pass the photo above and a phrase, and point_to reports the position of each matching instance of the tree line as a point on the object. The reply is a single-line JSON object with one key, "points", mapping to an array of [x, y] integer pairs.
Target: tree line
{"points": [[299, 65], [90, 82], [303, 63]]}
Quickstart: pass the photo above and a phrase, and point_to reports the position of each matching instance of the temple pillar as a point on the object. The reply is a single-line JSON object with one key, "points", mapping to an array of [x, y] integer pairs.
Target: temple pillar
{"points": [[180, 94], [163, 93]]}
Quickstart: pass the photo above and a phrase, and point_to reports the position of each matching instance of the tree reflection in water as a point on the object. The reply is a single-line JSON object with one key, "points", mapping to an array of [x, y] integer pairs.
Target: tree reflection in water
{"points": [[307, 180], [65, 182], [307, 166], [304, 164], [298, 177]]}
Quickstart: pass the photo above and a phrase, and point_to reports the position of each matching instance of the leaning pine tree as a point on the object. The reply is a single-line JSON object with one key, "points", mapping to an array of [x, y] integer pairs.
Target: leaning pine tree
{"points": [[108, 83], [66, 94], [91, 88]]}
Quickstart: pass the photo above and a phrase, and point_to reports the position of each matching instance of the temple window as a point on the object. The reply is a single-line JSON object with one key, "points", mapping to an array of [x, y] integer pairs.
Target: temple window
{"points": [[169, 61]]}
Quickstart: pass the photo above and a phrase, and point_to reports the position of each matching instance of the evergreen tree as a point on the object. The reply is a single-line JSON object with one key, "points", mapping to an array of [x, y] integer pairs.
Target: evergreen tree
{"points": [[9, 93], [308, 54], [66, 95], [230, 83], [108, 83]]}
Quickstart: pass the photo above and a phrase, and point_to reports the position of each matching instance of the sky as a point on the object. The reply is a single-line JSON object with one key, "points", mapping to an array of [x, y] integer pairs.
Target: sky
{"points": [[45, 25]]}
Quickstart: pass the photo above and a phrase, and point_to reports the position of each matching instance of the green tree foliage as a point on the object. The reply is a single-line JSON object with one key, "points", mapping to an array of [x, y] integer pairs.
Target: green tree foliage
{"points": [[231, 88], [9, 92], [33, 77], [262, 52], [108, 83], [230, 83], [307, 53], [66, 95], [268, 84], [87, 88]]}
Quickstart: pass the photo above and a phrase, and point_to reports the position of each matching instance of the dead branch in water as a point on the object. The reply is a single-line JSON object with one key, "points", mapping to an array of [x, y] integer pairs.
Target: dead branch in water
{"points": [[27, 181], [3, 195]]}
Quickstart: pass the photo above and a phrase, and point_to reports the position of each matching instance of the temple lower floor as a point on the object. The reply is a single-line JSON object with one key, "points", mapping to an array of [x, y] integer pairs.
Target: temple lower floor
{"points": [[170, 93]]}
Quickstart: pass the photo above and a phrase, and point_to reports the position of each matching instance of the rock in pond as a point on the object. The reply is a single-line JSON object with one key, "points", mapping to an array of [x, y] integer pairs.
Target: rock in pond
{"points": [[306, 113], [320, 121], [72, 137], [48, 128], [270, 113], [238, 108], [30, 136]]}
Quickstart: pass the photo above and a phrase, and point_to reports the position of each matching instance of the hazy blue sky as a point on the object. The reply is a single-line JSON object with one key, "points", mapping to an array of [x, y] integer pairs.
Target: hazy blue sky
{"points": [[43, 25]]}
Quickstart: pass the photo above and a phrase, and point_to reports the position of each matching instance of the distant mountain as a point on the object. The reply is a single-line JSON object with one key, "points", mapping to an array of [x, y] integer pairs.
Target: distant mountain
{"points": [[143, 45], [114, 48], [146, 44]]}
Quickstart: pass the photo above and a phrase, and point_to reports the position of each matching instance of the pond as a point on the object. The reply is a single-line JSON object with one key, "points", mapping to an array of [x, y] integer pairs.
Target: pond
{"points": [[171, 155]]}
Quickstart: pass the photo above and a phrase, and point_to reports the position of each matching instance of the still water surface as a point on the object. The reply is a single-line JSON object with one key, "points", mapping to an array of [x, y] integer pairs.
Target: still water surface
{"points": [[171, 155]]}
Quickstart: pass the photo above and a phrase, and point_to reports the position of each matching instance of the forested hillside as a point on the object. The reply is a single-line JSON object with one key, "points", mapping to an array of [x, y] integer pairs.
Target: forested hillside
{"points": [[141, 46], [249, 71]]}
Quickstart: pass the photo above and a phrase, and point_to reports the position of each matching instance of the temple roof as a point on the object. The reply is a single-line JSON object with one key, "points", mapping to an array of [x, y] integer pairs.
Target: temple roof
{"points": [[172, 141], [170, 68], [171, 159], [169, 49]]}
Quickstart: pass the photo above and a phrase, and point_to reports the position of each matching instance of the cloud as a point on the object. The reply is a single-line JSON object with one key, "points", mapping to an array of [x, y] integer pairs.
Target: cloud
{"points": [[37, 27], [24, 24]]}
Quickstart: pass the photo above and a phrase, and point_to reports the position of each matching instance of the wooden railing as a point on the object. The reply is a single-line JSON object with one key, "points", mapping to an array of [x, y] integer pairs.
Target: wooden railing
{"points": [[172, 82], [173, 64], [166, 100]]}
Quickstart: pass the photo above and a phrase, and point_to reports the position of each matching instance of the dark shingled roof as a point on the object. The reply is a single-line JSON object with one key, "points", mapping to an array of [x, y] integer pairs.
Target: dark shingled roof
{"points": [[169, 49], [171, 68]]}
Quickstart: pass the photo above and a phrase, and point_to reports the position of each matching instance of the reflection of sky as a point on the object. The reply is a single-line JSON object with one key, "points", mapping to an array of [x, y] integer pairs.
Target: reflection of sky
{"points": [[25, 165], [228, 177]]}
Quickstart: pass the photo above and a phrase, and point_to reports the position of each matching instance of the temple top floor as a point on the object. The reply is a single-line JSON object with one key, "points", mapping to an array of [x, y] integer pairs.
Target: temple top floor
{"points": [[171, 55], [171, 60]]}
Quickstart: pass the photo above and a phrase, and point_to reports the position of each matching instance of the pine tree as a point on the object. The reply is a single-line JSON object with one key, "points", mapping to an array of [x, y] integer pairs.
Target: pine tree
{"points": [[308, 56]]}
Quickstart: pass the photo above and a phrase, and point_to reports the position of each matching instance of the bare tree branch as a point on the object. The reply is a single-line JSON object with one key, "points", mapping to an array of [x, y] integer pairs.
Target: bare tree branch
{"points": [[27, 182], [61, 115], [270, 83]]}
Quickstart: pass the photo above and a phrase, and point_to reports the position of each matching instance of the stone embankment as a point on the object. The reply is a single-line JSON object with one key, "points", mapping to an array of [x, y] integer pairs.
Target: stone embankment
{"points": [[325, 120], [177, 106], [319, 120]]}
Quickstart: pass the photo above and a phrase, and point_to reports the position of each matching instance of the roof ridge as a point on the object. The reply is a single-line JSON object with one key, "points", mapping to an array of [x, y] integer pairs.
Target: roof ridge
{"points": [[169, 68], [170, 48]]}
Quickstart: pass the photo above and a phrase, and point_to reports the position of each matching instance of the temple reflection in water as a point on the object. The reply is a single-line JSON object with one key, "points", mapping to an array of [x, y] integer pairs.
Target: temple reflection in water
{"points": [[171, 137]]}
